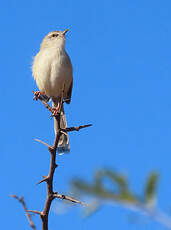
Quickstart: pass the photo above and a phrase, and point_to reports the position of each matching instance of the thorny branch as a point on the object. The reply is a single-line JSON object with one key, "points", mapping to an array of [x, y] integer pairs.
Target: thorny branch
{"points": [[21, 200], [51, 195]]}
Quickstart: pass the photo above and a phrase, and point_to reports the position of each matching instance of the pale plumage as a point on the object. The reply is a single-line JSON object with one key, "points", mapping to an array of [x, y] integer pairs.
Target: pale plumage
{"points": [[52, 70]]}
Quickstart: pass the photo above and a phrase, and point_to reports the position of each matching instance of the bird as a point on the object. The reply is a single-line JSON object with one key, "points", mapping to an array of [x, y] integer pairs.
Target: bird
{"points": [[53, 73]]}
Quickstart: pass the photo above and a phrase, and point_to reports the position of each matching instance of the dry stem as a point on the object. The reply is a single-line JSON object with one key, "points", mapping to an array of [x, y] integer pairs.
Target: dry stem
{"points": [[21, 200], [51, 195]]}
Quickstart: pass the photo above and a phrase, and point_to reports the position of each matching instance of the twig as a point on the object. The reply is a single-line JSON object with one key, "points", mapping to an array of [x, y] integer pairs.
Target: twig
{"points": [[64, 197], [157, 215], [45, 178], [70, 129], [51, 195], [42, 142], [34, 211], [21, 200]]}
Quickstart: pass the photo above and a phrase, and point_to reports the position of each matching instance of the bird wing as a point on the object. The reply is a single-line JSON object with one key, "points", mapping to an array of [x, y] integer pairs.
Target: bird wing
{"points": [[69, 93]]}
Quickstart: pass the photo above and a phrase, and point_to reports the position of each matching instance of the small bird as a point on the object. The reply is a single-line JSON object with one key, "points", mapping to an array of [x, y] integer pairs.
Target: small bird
{"points": [[52, 71]]}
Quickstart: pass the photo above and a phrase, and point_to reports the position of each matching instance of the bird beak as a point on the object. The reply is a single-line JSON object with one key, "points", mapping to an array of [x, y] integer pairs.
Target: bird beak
{"points": [[64, 32]]}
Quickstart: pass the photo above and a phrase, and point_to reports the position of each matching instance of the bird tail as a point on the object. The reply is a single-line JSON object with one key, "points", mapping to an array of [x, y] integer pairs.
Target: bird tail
{"points": [[63, 144]]}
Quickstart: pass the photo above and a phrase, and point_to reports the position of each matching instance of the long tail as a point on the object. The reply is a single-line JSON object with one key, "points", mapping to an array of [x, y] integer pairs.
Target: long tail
{"points": [[63, 145]]}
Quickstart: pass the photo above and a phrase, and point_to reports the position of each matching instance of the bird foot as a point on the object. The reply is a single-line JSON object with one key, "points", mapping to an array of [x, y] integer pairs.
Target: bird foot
{"points": [[55, 111], [37, 94]]}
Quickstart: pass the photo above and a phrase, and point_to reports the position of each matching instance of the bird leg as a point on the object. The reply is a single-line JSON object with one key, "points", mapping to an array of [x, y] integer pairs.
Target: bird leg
{"points": [[56, 110]]}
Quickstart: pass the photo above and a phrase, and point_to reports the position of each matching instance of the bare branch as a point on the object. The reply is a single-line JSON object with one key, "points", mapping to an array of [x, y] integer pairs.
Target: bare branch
{"points": [[70, 129], [35, 212], [157, 215], [64, 197], [21, 200], [56, 113], [42, 142]]}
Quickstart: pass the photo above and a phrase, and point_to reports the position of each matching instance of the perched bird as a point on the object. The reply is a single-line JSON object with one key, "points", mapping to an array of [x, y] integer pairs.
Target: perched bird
{"points": [[52, 70]]}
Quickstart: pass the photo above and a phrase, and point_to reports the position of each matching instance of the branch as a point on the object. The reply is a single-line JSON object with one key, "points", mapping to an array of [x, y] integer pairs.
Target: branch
{"points": [[70, 129], [34, 211], [64, 197], [21, 200], [122, 195], [51, 195], [157, 215]]}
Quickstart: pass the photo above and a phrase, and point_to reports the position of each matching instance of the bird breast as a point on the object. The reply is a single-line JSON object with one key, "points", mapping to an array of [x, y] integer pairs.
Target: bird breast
{"points": [[52, 70]]}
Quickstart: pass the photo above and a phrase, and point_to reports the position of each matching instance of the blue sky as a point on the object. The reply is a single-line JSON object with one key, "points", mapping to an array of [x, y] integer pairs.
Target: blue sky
{"points": [[121, 55]]}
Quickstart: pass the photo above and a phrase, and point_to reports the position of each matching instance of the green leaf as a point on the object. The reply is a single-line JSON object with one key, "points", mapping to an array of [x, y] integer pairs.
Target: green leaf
{"points": [[150, 188], [98, 179], [92, 189], [128, 198], [119, 179], [82, 186]]}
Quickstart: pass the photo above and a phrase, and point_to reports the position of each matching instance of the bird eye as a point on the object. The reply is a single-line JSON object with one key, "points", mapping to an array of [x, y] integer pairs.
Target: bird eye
{"points": [[54, 35]]}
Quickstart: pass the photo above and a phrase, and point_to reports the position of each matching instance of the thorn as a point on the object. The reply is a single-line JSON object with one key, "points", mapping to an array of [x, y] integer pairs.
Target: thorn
{"points": [[34, 211], [13, 196], [76, 128], [85, 126], [56, 165], [42, 142], [43, 180]]}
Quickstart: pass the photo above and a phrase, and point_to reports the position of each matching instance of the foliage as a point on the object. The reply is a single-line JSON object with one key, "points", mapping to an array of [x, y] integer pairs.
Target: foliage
{"points": [[110, 186]]}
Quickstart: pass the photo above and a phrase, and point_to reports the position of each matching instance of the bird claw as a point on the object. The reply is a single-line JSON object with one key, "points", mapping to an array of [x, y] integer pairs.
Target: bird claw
{"points": [[37, 95], [55, 111]]}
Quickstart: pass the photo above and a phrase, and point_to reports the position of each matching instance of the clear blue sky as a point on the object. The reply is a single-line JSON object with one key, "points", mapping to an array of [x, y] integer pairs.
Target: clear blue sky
{"points": [[121, 53]]}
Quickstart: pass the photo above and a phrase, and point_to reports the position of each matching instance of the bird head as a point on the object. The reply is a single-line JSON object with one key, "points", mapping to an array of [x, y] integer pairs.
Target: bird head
{"points": [[54, 39]]}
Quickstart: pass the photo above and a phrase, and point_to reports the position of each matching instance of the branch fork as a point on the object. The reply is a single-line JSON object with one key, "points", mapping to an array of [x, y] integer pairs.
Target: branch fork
{"points": [[51, 195]]}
